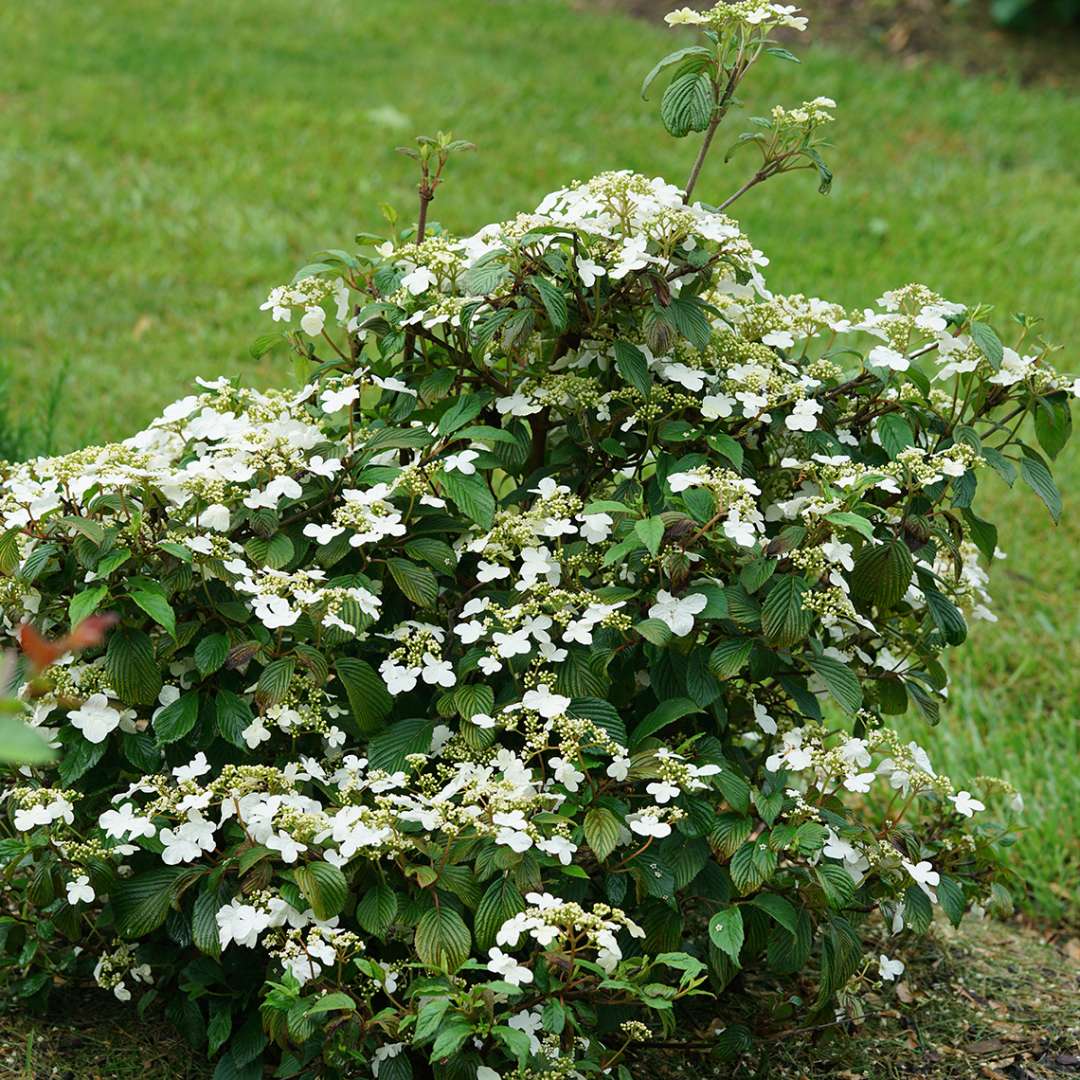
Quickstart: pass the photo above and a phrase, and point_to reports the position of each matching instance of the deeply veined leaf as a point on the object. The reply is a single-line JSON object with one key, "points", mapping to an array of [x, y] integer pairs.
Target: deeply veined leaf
{"points": [[500, 902], [839, 680], [730, 657], [211, 652], [695, 52], [602, 831], [1037, 477], [726, 932], [324, 887], [418, 583], [376, 909], [667, 712], [687, 104], [132, 667], [442, 939], [553, 300], [157, 607], [141, 903], [86, 603], [783, 618], [471, 494], [882, 573], [177, 718], [369, 700], [633, 367]]}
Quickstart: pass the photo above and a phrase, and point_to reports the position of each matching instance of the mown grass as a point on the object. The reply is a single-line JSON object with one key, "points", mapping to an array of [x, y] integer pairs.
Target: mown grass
{"points": [[163, 167]]}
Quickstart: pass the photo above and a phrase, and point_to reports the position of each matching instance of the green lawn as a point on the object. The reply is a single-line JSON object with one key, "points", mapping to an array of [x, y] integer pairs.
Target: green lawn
{"points": [[160, 171]]}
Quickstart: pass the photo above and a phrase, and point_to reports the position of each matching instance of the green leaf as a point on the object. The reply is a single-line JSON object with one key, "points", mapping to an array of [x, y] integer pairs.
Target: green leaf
{"points": [[133, 671], [518, 1043], [220, 1027], [633, 367], [654, 631], [141, 903], [945, 615], [726, 446], [689, 317], [783, 618], [429, 1018], [177, 719], [273, 551], [332, 1002], [730, 832], [467, 408], [696, 52], [398, 438], [836, 883], [9, 551], [471, 495], [667, 712], [839, 680], [377, 909], [747, 868], [369, 700], [852, 521], [950, 894], [79, 758], [228, 1068], [452, 1035], [1037, 477], [726, 932], [918, 911], [500, 902], [895, 433], [21, 744], [275, 680], [730, 657], [553, 300], [650, 532], [1000, 464], [687, 104], [437, 554], [324, 887], [141, 750], [86, 603], [988, 342], [418, 583], [210, 653], [234, 716], [204, 928], [486, 274], [157, 607], [93, 530], [892, 696], [113, 561], [389, 748], [983, 533], [602, 830], [603, 714], [442, 939], [36, 561], [1053, 423], [779, 909], [882, 573]]}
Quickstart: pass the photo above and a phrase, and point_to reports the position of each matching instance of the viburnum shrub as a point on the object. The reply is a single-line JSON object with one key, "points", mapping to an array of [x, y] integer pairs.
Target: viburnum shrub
{"points": [[489, 704]]}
